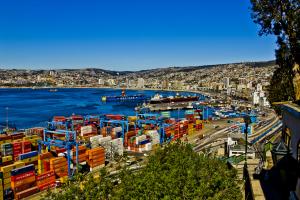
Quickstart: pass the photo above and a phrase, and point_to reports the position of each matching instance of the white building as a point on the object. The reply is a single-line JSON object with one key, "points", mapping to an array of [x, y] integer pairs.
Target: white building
{"points": [[100, 81], [259, 87], [255, 98], [249, 85], [226, 82], [261, 94], [111, 82], [238, 150], [141, 83], [241, 87], [264, 102], [131, 83], [228, 92]]}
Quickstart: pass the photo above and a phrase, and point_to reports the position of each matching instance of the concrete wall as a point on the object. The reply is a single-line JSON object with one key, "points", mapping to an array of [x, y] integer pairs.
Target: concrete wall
{"points": [[293, 123]]}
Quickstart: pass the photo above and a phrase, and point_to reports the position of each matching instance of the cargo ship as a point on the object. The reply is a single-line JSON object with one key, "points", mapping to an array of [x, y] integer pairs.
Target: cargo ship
{"points": [[178, 98], [124, 97]]}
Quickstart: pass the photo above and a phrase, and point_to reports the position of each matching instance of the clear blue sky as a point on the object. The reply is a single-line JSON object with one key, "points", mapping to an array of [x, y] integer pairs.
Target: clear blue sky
{"points": [[127, 34]]}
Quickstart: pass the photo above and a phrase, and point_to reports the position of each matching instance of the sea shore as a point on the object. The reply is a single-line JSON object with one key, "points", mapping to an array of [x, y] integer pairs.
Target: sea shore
{"points": [[114, 88]]}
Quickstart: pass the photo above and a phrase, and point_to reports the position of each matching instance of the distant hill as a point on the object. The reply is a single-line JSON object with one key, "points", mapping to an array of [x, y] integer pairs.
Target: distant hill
{"points": [[167, 69]]}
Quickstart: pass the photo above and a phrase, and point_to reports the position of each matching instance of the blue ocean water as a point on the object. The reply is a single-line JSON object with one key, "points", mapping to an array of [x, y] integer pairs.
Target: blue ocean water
{"points": [[28, 108]]}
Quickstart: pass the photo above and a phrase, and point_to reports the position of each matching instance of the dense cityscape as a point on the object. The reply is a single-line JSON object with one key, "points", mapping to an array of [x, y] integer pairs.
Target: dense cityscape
{"points": [[247, 81]]}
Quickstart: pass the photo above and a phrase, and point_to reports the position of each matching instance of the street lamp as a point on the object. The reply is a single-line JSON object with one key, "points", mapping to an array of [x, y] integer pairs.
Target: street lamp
{"points": [[247, 121], [279, 151]]}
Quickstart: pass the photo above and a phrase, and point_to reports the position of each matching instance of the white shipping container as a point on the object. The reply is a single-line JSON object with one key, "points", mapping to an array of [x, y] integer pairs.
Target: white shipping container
{"points": [[87, 129], [104, 139], [95, 138], [140, 138], [117, 129], [117, 146], [155, 139], [148, 147]]}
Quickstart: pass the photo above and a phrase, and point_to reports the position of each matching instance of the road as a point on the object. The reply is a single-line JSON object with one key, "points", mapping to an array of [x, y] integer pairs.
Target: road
{"points": [[266, 127]]}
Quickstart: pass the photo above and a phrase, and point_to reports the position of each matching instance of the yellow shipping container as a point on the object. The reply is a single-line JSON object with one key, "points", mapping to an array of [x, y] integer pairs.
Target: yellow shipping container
{"points": [[18, 140], [32, 137], [6, 180], [6, 158], [6, 186], [63, 179], [131, 118], [7, 141], [34, 143], [8, 168], [7, 174]]}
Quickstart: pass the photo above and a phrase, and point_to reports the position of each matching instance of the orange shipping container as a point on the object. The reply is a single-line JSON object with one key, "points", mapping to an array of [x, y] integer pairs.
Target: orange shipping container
{"points": [[62, 174], [23, 181], [50, 179], [100, 155], [45, 155], [54, 161], [58, 165], [97, 159]]}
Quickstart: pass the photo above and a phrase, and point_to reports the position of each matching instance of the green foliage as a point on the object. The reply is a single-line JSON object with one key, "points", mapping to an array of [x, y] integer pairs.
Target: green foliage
{"points": [[282, 19], [174, 172]]}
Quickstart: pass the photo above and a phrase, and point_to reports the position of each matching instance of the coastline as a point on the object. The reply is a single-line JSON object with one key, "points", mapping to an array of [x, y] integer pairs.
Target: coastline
{"points": [[114, 88]]}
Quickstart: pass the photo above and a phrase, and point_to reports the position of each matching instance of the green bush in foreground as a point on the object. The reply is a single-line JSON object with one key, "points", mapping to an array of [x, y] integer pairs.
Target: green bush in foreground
{"points": [[174, 172]]}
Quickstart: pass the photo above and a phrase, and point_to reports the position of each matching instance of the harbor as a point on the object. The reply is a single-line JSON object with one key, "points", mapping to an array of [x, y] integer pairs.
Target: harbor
{"points": [[36, 159]]}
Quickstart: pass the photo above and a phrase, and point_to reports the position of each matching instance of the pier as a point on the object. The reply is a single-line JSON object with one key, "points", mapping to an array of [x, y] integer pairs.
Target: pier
{"points": [[166, 106]]}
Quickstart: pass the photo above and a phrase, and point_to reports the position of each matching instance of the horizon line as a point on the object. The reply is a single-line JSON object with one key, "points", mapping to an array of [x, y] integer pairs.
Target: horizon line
{"points": [[154, 68]]}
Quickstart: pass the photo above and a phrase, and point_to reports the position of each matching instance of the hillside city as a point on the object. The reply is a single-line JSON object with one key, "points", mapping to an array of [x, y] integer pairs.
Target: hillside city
{"points": [[247, 81]]}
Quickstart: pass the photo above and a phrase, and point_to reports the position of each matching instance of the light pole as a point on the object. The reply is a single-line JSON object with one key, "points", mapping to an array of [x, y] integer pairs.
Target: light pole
{"points": [[247, 121]]}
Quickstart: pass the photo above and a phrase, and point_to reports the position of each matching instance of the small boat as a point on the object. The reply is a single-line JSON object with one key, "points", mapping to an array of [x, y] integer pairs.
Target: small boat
{"points": [[53, 90]]}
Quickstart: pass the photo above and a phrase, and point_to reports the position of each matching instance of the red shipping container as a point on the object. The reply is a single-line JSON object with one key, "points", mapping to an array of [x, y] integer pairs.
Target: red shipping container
{"points": [[50, 179], [24, 181], [17, 145], [22, 176], [26, 193], [47, 186], [23, 187], [17, 152], [59, 118], [45, 175], [45, 155], [46, 165], [60, 150]]}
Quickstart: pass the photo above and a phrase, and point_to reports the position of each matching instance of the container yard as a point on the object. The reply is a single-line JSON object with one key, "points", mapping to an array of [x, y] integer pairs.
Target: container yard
{"points": [[36, 159], [41, 158]]}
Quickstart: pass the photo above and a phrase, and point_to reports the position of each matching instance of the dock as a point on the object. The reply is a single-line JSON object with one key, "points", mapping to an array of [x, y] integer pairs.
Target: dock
{"points": [[166, 106]]}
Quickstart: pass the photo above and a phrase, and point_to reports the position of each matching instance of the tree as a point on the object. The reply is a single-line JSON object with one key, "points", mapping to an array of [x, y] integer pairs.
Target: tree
{"points": [[281, 18], [173, 172]]}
